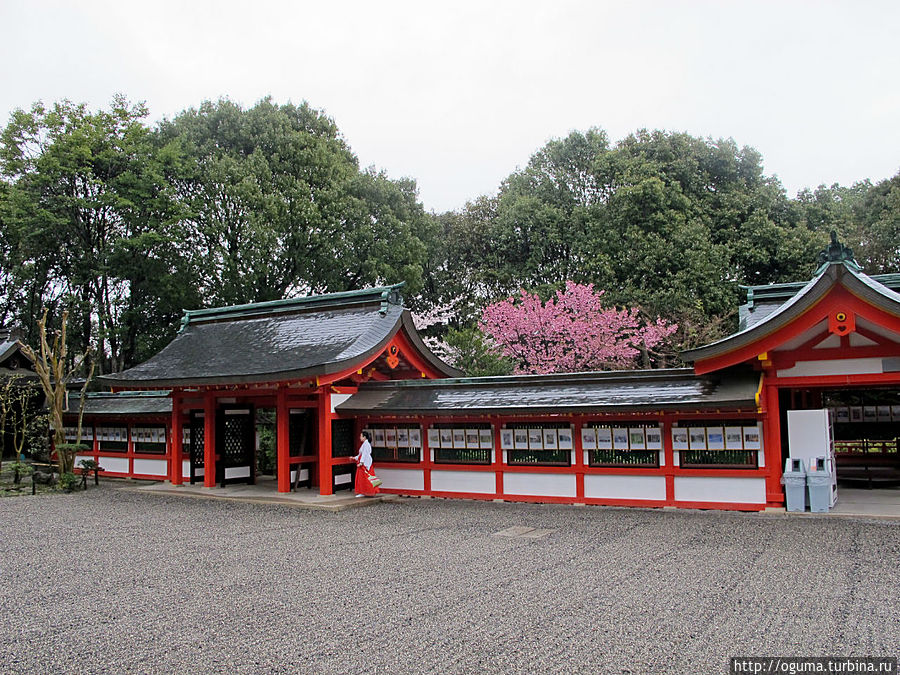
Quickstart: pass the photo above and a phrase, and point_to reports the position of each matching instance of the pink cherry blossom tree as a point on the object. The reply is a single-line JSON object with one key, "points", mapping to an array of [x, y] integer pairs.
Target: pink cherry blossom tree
{"points": [[570, 332]]}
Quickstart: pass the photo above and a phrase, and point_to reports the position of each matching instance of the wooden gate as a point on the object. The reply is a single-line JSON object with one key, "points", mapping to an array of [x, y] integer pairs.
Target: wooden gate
{"points": [[197, 446], [235, 445]]}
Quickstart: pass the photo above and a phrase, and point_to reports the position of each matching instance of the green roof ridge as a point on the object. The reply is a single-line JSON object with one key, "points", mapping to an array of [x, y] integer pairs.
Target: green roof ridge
{"points": [[387, 295]]}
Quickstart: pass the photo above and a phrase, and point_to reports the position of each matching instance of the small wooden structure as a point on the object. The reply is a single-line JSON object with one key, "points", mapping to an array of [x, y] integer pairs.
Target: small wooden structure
{"points": [[299, 357]]}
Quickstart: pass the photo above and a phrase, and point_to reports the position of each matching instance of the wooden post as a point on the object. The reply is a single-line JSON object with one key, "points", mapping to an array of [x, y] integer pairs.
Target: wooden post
{"points": [[282, 431], [579, 465], [326, 479], [666, 423], [772, 440], [209, 440], [175, 473]]}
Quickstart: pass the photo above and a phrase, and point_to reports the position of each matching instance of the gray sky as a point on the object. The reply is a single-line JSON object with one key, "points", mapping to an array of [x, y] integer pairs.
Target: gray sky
{"points": [[458, 94]]}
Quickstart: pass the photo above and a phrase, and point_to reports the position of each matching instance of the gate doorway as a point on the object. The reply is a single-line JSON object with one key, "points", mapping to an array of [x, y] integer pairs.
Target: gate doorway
{"points": [[235, 445], [197, 446]]}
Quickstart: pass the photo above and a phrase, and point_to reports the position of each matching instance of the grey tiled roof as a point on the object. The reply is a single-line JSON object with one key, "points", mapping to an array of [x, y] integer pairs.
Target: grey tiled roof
{"points": [[126, 403], [763, 301], [577, 392], [287, 339], [830, 275]]}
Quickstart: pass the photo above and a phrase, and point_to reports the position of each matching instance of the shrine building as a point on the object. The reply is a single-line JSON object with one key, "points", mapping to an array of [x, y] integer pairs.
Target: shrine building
{"points": [[712, 435]]}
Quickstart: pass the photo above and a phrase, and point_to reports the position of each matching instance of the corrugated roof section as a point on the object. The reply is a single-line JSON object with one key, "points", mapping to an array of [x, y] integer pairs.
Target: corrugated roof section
{"points": [[577, 392], [127, 403]]}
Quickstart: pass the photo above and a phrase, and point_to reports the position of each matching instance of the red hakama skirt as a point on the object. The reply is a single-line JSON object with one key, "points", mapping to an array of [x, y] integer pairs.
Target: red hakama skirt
{"points": [[363, 484]]}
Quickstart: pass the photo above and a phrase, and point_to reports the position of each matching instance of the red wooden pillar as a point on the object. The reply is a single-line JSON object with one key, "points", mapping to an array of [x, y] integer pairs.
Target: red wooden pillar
{"points": [[498, 457], [175, 473], [577, 424], [669, 454], [772, 439], [130, 445], [209, 440], [324, 415], [427, 423], [283, 426]]}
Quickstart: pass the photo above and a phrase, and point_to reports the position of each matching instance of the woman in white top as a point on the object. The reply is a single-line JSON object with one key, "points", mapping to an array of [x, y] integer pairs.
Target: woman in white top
{"points": [[366, 482]]}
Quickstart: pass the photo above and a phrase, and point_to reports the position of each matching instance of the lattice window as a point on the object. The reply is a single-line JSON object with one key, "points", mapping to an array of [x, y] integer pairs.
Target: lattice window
{"points": [[238, 432]]}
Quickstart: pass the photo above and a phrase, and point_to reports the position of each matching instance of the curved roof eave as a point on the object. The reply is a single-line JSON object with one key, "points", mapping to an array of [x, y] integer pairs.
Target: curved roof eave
{"points": [[833, 274], [433, 360], [362, 358]]}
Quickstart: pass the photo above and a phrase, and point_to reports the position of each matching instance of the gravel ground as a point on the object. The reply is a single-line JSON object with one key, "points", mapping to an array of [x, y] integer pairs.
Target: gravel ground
{"points": [[114, 581]]}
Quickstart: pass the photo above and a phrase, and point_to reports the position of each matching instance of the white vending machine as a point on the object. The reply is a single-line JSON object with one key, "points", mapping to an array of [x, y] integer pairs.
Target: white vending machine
{"points": [[811, 435]]}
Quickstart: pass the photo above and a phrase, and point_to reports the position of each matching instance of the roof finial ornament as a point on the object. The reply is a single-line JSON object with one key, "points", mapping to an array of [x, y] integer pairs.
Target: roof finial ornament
{"points": [[837, 252]]}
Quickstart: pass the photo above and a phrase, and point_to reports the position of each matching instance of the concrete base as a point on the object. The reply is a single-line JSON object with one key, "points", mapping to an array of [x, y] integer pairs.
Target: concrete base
{"points": [[265, 492]]}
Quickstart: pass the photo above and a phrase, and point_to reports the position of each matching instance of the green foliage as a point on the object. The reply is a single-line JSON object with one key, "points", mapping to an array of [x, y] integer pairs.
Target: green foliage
{"points": [[68, 481], [664, 221], [473, 354], [125, 224], [267, 453], [276, 205], [20, 469]]}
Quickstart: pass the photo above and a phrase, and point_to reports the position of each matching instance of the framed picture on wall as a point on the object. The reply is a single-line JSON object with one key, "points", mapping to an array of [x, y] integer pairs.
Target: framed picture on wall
{"points": [[446, 438], [884, 413], [604, 438], [521, 439], [654, 438], [550, 439], [856, 413], [620, 438], [842, 415], [378, 438], [415, 438], [565, 439], [459, 438], [588, 438], [870, 413], [679, 438], [485, 439], [636, 438], [734, 438], [390, 437], [697, 438], [895, 413], [434, 438], [715, 438], [402, 438], [751, 438], [472, 440], [535, 439], [506, 439]]}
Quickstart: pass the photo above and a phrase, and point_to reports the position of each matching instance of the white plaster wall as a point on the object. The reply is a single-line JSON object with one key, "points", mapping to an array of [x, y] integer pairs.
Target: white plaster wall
{"points": [[539, 484], [114, 464], [625, 487], [186, 468], [237, 472], [401, 479], [835, 367], [304, 474], [713, 489], [480, 482], [343, 478], [151, 467], [337, 399]]}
